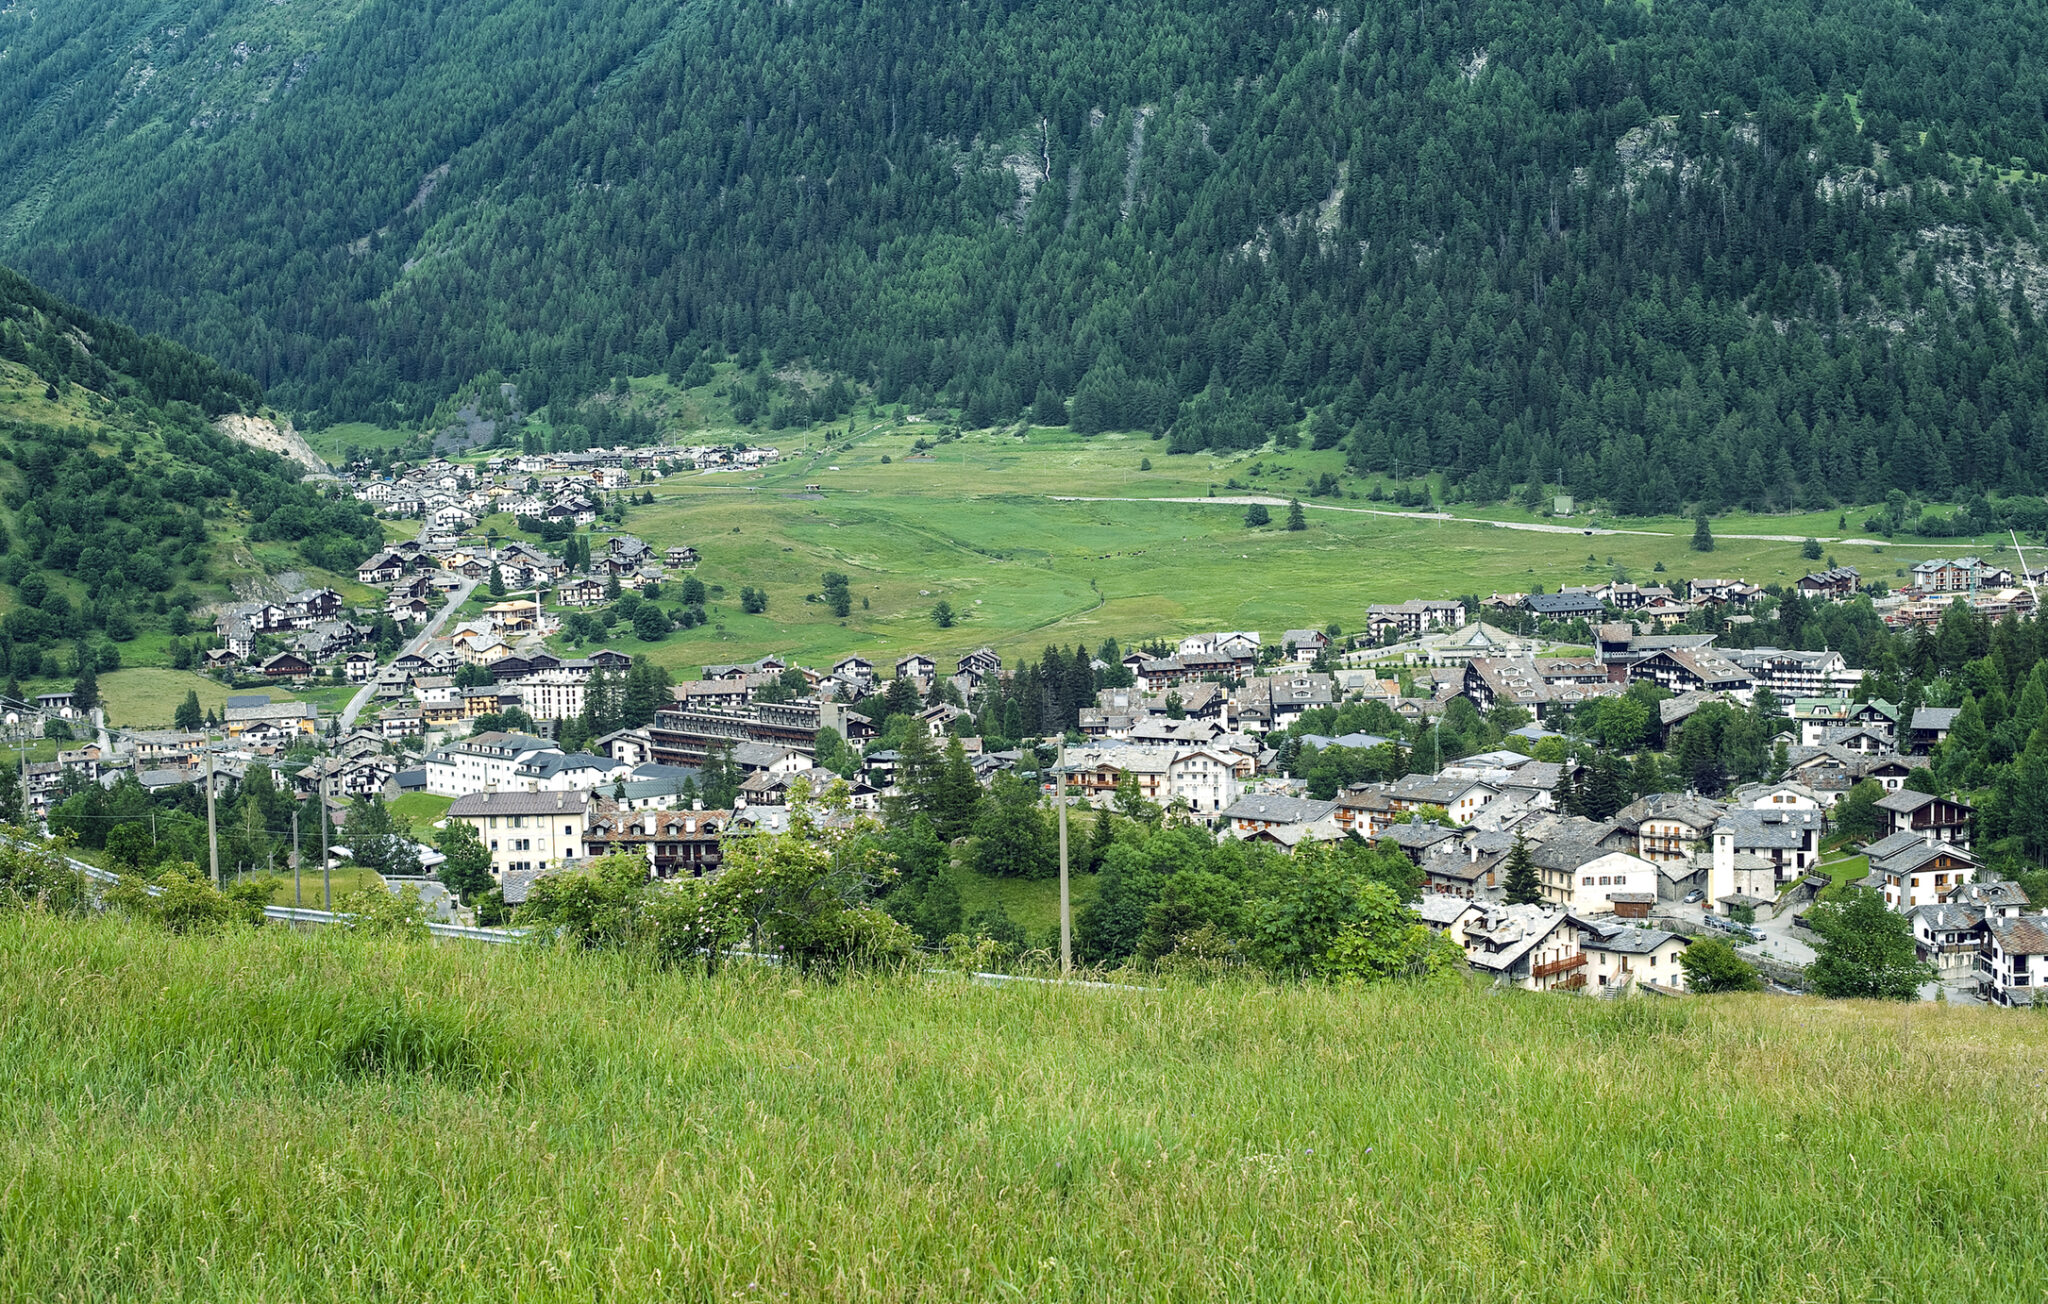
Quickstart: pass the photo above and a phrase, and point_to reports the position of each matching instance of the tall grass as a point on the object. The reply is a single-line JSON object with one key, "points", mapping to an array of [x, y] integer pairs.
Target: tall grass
{"points": [[273, 1116]]}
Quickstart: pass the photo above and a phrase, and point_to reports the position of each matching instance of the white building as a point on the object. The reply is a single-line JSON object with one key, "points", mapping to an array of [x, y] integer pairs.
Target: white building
{"points": [[553, 694], [485, 762], [526, 832]]}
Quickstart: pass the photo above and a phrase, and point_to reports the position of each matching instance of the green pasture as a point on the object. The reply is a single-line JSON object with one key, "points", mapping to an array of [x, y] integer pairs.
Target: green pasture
{"points": [[271, 1115]]}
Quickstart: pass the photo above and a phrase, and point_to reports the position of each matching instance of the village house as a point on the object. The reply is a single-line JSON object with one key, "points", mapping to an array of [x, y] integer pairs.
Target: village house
{"points": [[675, 843], [481, 763], [2012, 966], [1911, 870], [1410, 618], [1528, 946], [1937, 819], [1930, 726], [1668, 826], [527, 833], [1623, 957], [1839, 582]]}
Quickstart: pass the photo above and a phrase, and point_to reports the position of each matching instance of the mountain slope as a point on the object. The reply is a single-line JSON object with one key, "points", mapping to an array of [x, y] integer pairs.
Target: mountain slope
{"points": [[124, 507], [1766, 252]]}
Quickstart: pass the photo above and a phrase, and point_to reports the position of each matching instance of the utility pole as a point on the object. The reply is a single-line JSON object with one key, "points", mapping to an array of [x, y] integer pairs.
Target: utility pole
{"points": [[297, 900], [1066, 913], [212, 830], [326, 879]]}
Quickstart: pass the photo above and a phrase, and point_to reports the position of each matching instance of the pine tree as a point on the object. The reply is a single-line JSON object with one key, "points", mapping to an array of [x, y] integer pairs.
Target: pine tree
{"points": [[85, 690], [1523, 887], [497, 581], [955, 794], [188, 715], [1257, 515], [1605, 790], [1564, 796], [1296, 518], [1702, 534]]}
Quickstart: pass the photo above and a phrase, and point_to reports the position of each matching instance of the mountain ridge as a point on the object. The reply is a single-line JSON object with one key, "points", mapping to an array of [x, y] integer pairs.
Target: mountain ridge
{"points": [[1661, 256]]}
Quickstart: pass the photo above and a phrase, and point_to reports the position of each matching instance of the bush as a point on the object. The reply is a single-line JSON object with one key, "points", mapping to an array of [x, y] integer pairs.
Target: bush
{"points": [[1711, 965], [36, 878]]}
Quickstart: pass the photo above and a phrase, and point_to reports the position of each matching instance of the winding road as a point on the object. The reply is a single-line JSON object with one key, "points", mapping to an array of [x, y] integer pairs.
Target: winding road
{"points": [[418, 641], [1534, 527]]}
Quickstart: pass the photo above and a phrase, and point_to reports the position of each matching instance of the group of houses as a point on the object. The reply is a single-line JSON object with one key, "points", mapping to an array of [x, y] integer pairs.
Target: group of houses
{"points": [[564, 488]]}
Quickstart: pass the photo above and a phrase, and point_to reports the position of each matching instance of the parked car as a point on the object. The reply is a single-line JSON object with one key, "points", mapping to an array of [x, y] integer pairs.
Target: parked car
{"points": [[1695, 896]]}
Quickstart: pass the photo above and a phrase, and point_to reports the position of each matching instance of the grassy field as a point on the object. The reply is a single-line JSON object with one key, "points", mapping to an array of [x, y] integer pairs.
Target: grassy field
{"points": [[976, 522], [1033, 903], [282, 1116], [348, 878], [421, 809], [146, 696]]}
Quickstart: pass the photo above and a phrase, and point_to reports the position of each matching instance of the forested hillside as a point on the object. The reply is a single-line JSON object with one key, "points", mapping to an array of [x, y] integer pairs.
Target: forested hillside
{"points": [[1768, 252], [124, 508]]}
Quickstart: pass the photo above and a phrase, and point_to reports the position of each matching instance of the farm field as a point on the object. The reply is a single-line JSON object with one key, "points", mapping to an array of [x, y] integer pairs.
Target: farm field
{"points": [[274, 1115], [982, 526], [144, 697]]}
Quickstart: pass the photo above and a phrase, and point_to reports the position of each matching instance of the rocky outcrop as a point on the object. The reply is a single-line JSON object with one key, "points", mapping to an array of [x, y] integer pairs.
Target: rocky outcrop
{"points": [[266, 434]]}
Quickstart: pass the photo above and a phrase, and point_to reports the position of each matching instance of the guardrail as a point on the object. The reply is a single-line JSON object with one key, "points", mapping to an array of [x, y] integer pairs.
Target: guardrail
{"points": [[459, 932]]}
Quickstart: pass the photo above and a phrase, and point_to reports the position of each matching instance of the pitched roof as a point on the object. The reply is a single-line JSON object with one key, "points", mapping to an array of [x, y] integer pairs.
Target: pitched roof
{"points": [[1278, 809], [1619, 939], [1777, 830], [521, 803], [2025, 935], [1683, 807]]}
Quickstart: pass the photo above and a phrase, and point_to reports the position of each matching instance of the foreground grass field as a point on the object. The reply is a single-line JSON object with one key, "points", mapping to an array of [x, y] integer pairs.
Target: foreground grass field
{"points": [[272, 1116]]}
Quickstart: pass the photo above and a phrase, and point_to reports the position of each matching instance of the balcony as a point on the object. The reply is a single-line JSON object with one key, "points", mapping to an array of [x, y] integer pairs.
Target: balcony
{"points": [[1559, 966]]}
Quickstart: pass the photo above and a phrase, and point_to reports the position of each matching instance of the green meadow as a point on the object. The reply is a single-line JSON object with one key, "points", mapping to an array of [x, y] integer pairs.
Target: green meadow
{"points": [[979, 523], [269, 1116]]}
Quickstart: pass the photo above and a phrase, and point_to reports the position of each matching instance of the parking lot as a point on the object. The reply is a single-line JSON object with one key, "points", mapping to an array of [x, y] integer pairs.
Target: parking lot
{"points": [[1788, 943]]}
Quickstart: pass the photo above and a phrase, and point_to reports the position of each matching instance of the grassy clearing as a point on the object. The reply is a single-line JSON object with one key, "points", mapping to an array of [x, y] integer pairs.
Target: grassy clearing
{"points": [[330, 442], [1846, 870], [421, 809], [1033, 903], [975, 522], [146, 696], [283, 1116], [348, 878]]}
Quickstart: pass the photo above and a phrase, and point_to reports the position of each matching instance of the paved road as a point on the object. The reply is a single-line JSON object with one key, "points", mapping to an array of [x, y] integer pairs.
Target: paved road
{"points": [[418, 641]]}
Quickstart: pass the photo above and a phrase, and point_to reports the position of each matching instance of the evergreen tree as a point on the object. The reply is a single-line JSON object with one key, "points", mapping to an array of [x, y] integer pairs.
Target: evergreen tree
{"points": [[1606, 788], [497, 581], [1702, 534], [188, 716], [1296, 518], [955, 793], [1256, 515], [85, 690], [1522, 884], [1564, 794]]}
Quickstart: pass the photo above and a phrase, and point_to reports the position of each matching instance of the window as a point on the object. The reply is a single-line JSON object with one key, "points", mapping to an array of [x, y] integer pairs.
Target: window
{"points": [[1588, 882]]}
